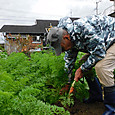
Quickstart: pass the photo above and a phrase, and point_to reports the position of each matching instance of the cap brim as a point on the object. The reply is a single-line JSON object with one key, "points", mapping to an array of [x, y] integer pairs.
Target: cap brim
{"points": [[54, 37], [58, 50]]}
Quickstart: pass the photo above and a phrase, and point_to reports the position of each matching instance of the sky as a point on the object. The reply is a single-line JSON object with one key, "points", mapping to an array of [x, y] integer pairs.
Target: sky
{"points": [[26, 12]]}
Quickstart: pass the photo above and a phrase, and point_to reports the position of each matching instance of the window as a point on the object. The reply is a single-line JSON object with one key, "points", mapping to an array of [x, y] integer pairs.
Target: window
{"points": [[36, 39]]}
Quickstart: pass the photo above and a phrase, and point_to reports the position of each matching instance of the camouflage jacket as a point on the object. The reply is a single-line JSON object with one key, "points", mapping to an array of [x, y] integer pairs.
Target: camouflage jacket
{"points": [[92, 34]]}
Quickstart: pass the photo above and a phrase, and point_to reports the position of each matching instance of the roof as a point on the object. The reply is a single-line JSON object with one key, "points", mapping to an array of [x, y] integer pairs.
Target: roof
{"points": [[112, 14], [38, 28]]}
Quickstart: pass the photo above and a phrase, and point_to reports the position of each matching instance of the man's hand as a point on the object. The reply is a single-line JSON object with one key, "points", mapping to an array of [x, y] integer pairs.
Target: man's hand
{"points": [[78, 74], [64, 89]]}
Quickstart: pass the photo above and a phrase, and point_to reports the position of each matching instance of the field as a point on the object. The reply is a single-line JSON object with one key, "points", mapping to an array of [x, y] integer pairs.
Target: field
{"points": [[31, 85]]}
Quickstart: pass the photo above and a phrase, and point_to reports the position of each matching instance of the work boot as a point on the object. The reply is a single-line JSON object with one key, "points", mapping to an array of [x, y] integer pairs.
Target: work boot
{"points": [[95, 91], [109, 100]]}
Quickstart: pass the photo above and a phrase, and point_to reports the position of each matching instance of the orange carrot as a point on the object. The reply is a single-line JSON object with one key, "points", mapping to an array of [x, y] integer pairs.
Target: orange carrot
{"points": [[72, 88]]}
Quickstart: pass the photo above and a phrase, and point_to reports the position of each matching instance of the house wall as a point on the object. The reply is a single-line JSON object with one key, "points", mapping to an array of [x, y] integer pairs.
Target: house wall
{"points": [[21, 43]]}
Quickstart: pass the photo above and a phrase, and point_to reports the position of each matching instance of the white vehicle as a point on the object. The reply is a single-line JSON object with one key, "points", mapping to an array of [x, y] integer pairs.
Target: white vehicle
{"points": [[2, 39]]}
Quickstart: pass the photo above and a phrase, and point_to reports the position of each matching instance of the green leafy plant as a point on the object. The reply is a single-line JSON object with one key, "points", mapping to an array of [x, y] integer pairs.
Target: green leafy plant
{"points": [[3, 55], [66, 101], [31, 85]]}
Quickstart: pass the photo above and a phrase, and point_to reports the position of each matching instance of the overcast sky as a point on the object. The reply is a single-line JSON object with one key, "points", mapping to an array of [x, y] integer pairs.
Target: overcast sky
{"points": [[20, 12]]}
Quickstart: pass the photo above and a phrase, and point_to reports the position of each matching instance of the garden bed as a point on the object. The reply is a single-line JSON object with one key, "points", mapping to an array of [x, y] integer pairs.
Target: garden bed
{"points": [[31, 85]]}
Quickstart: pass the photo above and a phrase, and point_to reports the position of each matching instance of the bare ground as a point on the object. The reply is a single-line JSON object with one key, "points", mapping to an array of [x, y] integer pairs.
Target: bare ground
{"points": [[81, 108]]}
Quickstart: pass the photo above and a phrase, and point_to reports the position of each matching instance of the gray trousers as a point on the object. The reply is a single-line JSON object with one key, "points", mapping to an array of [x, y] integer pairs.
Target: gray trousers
{"points": [[105, 67]]}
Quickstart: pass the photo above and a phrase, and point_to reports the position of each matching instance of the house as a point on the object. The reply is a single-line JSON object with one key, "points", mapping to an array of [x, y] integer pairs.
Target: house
{"points": [[35, 31], [34, 34], [31, 36]]}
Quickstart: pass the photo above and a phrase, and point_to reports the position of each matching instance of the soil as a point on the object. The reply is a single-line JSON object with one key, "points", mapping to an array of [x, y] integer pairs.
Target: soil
{"points": [[80, 108]]}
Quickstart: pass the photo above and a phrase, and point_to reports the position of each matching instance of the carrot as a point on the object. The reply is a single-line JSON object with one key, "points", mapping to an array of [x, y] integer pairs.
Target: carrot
{"points": [[72, 88]]}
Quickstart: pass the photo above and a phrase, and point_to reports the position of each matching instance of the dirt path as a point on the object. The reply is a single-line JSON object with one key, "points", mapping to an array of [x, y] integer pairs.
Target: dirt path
{"points": [[80, 108], [87, 109]]}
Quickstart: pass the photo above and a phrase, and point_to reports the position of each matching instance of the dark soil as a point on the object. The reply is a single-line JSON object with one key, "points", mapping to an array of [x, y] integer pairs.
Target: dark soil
{"points": [[80, 108]]}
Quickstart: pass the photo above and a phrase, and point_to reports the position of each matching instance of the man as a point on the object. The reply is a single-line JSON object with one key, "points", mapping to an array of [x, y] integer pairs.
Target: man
{"points": [[94, 35]]}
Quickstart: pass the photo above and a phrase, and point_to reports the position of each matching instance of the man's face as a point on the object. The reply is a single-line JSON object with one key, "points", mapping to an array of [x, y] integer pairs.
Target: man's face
{"points": [[66, 44]]}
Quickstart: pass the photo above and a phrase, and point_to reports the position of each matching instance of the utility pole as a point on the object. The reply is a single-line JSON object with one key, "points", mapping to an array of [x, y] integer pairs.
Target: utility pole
{"points": [[97, 2], [114, 4], [71, 12]]}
